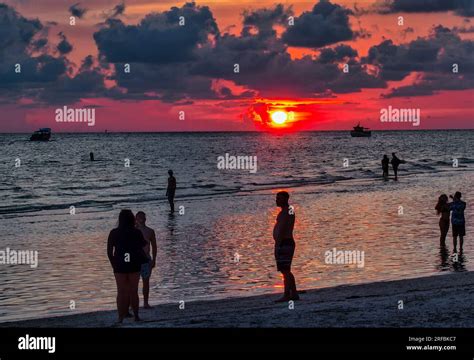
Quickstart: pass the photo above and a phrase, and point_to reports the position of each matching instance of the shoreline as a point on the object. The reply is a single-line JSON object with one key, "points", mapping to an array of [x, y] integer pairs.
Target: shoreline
{"points": [[443, 300]]}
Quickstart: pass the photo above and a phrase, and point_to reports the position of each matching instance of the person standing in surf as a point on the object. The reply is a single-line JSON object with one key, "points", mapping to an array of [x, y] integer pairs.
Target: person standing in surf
{"points": [[145, 272], [395, 164], [171, 189], [458, 221], [285, 245], [443, 209]]}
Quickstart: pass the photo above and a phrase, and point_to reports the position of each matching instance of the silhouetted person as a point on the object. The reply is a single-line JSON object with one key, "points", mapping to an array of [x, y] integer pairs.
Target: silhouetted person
{"points": [[458, 221], [171, 190], [385, 162], [395, 164], [443, 209], [125, 252], [145, 272], [285, 245], [91, 156]]}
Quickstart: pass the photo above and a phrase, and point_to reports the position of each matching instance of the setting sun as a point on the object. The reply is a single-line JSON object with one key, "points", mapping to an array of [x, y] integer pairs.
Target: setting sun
{"points": [[279, 117]]}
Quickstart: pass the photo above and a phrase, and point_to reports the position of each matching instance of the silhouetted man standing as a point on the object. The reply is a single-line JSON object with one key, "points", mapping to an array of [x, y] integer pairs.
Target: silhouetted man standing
{"points": [[170, 191], [395, 163], [458, 221], [150, 238], [285, 245]]}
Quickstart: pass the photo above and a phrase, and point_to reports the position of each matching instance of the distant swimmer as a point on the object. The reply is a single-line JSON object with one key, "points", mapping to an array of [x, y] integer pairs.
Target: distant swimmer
{"points": [[443, 209], [385, 162], [395, 164], [91, 156], [171, 189], [458, 221], [150, 238], [285, 245]]}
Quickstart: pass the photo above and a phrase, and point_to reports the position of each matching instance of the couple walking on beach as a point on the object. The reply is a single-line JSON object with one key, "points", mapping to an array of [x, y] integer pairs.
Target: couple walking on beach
{"points": [[456, 208], [128, 250], [395, 164]]}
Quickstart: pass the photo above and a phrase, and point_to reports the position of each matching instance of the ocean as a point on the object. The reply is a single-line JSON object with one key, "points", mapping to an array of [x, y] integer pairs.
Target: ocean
{"points": [[219, 243]]}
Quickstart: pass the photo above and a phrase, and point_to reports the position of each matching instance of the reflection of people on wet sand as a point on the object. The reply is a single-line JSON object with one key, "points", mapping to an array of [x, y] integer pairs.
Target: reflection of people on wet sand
{"points": [[385, 162], [285, 245], [125, 252], [395, 164], [458, 221], [145, 272], [443, 209], [171, 189]]}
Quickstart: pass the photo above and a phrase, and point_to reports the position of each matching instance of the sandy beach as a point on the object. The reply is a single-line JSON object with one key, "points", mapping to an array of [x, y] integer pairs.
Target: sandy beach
{"points": [[435, 301]]}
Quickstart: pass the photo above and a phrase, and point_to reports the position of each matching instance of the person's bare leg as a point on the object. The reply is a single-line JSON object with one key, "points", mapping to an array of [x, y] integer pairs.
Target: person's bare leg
{"points": [[455, 243], [293, 293], [461, 242], [146, 293], [134, 279], [122, 295], [286, 294]]}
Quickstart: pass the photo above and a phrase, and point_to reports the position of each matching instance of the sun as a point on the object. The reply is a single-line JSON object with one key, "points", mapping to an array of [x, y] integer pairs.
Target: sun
{"points": [[279, 117]]}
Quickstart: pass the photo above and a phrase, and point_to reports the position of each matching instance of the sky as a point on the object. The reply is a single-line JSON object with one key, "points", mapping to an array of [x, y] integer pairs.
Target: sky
{"points": [[231, 65]]}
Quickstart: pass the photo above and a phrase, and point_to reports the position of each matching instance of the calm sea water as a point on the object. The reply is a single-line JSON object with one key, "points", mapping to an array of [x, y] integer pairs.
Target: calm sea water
{"points": [[226, 212]]}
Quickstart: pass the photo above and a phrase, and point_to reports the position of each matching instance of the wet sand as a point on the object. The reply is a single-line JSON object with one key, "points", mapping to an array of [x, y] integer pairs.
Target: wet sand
{"points": [[436, 301]]}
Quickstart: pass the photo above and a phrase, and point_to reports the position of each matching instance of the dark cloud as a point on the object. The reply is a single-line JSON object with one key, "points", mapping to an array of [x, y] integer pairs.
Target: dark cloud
{"points": [[158, 38], [44, 78], [64, 47], [21, 36], [434, 58], [326, 24], [338, 53], [265, 19], [460, 7], [118, 10], [189, 71], [77, 11]]}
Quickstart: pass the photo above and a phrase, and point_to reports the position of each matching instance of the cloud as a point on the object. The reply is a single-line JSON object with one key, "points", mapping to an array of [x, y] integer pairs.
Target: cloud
{"points": [[64, 46], [158, 38], [45, 78], [118, 10], [77, 11], [326, 24], [433, 57], [460, 7]]}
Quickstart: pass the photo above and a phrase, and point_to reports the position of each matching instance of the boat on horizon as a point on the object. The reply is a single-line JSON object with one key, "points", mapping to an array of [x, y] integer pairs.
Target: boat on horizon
{"points": [[43, 134], [360, 131]]}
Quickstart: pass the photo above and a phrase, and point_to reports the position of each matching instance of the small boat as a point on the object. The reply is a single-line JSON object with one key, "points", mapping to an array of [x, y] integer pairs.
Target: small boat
{"points": [[360, 131], [43, 134]]}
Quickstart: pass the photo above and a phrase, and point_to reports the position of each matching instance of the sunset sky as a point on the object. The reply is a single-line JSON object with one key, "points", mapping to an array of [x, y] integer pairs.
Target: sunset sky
{"points": [[188, 69]]}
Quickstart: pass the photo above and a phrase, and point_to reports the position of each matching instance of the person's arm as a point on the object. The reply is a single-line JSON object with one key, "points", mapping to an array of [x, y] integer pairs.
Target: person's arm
{"points": [[153, 248], [281, 229], [110, 249]]}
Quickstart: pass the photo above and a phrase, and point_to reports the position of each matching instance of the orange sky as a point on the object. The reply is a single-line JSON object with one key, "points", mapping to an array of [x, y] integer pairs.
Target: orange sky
{"points": [[445, 110]]}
